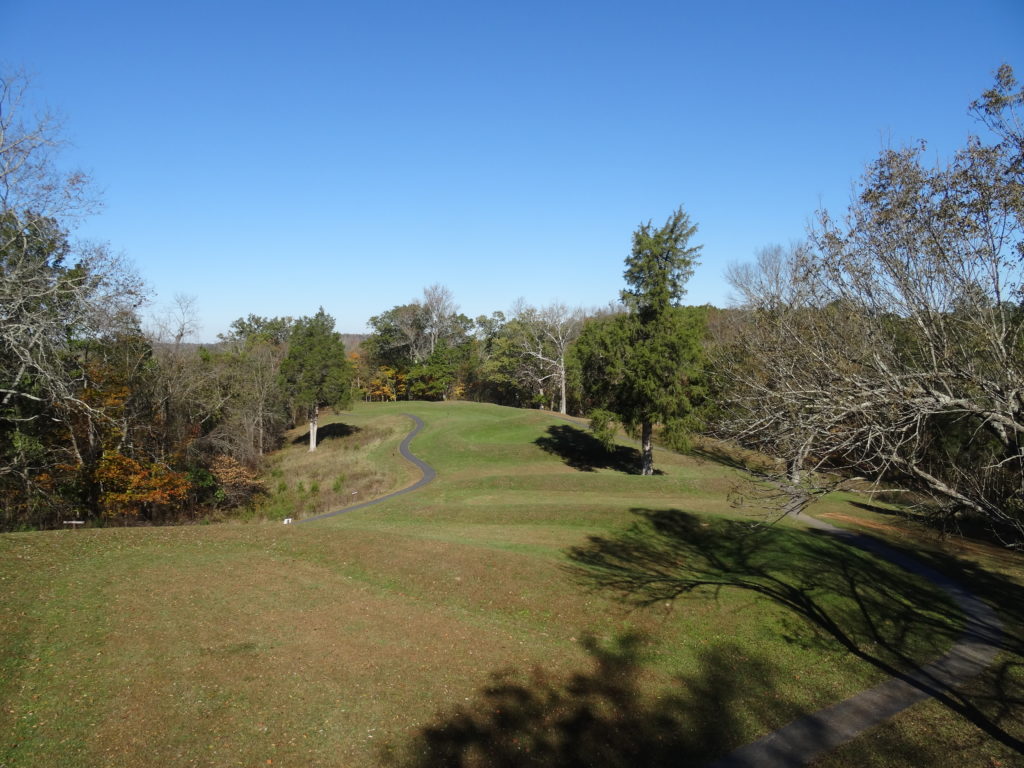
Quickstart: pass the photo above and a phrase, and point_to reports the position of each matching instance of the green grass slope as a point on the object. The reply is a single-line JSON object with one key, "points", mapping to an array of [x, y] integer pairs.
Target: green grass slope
{"points": [[536, 604]]}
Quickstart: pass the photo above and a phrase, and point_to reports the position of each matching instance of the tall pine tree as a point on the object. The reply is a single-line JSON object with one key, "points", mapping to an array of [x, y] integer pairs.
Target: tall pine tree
{"points": [[316, 372], [643, 367]]}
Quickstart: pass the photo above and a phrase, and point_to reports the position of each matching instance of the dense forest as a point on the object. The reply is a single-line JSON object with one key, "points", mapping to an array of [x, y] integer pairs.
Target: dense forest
{"points": [[887, 345]]}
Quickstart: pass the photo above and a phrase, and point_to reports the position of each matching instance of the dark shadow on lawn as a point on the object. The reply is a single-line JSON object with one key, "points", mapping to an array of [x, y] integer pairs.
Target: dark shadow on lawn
{"points": [[879, 510], [328, 432], [941, 524], [834, 592], [720, 456], [601, 717], [581, 450]]}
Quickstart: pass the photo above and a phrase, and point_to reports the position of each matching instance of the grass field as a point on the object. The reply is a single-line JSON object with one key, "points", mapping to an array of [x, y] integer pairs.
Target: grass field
{"points": [[537, 598]]}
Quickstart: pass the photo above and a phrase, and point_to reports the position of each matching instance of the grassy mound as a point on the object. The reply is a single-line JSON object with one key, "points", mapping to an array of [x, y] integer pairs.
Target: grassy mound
{"points": [[537, 604]]}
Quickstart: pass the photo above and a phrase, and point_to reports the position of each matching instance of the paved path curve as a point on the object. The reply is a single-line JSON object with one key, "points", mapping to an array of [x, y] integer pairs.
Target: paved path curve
{"points": [[428, 475], [812, 735]]}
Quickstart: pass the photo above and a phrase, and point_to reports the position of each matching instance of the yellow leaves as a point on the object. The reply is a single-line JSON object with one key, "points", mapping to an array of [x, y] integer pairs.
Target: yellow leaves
{"points": [[229, 471], [237, 481], [387, 385], [106, 386], [129, 485]]}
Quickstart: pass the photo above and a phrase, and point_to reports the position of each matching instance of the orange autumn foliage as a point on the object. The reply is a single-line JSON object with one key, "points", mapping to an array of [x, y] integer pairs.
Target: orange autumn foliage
{"points": [[237, 482], [130, 487]]}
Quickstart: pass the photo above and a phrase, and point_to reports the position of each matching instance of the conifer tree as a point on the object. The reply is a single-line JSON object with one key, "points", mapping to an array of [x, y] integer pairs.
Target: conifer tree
{"points": [[643, 367], [316, 372]]}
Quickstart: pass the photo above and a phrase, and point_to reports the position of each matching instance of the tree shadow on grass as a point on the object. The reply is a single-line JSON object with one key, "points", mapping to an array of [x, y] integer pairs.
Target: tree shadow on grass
{"points": [[328, 432], [600, 717], [721, 455], [581, 450], [835, 593], [878, 510]]}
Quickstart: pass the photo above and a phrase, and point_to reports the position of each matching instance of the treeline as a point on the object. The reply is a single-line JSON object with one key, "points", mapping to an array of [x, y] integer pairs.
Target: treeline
{"points": [[103, 419], [427, 350], [888, 345], [99, 419]]}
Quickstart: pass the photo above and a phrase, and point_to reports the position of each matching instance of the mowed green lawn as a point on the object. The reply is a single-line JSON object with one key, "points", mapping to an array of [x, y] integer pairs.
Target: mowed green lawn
{"points": [[536, 597]]}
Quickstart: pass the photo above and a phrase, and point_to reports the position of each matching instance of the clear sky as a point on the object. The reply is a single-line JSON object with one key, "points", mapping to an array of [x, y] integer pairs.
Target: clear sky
{"points": [[271, 158]]}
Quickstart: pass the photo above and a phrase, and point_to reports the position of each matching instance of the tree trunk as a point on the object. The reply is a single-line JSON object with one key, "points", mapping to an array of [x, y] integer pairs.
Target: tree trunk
{"points": [[561, 378], [793, 473], [795, 464], [313, 417], [647, 449]]}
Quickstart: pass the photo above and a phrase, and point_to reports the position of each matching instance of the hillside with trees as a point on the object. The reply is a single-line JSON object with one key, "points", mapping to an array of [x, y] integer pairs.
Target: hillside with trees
{"points": [[101, 420], [887, 345], [890, 344]]}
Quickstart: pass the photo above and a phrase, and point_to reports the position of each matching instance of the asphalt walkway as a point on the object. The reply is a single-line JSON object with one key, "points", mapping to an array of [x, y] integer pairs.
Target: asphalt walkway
{"points": [[428, 475], [810, 736]]}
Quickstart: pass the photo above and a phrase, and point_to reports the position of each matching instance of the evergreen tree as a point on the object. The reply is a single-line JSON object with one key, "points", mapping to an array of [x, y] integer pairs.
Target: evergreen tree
{"points": [[643, 367], [316, 371]]}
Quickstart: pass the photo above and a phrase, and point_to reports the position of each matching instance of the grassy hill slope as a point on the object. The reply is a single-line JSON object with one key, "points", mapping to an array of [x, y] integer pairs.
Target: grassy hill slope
{"points": [[376, 636]]}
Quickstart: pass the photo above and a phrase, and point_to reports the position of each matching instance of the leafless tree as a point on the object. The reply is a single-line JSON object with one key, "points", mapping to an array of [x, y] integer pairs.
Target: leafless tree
{"points": [[190, 391], [30, 181], [52, 289], [893, 343], [252, 414], [439, 313], [542, 338], [413, 331]]}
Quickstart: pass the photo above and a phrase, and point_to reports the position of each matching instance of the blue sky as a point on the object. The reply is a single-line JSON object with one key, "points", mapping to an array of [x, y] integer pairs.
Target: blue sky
{"points": [[271, 158]]}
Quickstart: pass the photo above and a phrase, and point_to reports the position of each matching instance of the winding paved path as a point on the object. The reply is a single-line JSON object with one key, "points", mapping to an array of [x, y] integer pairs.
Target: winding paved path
{"points": [[428, 475], [812, 735]]}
